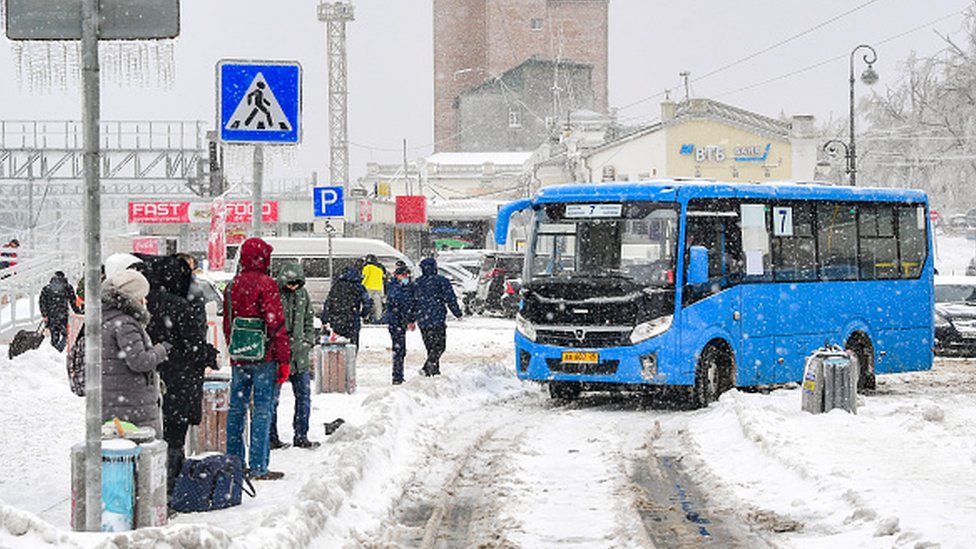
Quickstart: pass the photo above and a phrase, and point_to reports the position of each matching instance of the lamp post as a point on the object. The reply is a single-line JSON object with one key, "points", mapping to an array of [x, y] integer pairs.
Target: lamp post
{"points": [[869, 77]]}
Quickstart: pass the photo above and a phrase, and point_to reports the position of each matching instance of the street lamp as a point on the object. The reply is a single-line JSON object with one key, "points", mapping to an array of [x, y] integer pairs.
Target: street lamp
{"points": [[869, 77]]}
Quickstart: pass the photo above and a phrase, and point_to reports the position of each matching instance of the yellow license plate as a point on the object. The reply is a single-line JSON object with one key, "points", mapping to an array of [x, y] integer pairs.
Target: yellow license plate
{"points": [[581, 358]]}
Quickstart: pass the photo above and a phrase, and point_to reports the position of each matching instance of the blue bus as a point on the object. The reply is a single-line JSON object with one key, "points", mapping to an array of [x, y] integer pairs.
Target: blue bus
{"points": [[712, 285]]}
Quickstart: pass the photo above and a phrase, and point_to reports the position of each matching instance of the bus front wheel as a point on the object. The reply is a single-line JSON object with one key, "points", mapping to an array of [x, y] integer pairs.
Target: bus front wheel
{"points": [[713, 375], [860, 344], [564, 390]]}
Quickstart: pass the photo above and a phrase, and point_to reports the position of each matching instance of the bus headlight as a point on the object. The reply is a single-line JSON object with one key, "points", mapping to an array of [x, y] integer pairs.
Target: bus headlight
{"points": [[647, 330], [524, 327]]}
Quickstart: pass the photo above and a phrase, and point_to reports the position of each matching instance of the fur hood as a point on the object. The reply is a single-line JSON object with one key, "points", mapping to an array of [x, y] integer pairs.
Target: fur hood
{"points": [[112, 298]]}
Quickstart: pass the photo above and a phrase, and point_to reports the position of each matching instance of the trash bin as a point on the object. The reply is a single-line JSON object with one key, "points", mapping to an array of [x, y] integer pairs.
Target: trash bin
{"points": [[829, 381], [211, 434], [133, 485], [335, 368]]}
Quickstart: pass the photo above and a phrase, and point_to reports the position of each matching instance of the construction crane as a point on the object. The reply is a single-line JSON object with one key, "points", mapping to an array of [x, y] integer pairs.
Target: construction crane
{"points": [[336, 15]]}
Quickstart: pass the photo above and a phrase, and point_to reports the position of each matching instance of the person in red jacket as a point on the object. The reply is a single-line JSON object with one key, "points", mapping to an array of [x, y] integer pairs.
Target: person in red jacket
{"points": [[254, 294]]}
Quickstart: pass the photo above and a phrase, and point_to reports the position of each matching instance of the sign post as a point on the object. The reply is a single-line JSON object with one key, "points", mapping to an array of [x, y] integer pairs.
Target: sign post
{"points": [[90, 21], [259, 102], [328, 202]]}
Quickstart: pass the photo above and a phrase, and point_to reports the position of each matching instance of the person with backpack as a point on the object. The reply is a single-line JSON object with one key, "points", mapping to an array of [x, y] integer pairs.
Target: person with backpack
{"points": [[55, 300], [173, 321], [347, 304], [299, 324], [434, 293], [399, 317], [253, 297], [130, 381]]}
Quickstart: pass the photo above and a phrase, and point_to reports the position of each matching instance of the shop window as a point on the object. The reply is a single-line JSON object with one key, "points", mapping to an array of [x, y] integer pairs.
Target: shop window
{"points": [[514, 117], [536, 24]]}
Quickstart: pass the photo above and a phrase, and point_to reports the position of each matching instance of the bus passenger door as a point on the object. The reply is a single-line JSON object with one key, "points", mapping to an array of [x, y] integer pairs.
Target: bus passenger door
{"points": [[712, 310]]}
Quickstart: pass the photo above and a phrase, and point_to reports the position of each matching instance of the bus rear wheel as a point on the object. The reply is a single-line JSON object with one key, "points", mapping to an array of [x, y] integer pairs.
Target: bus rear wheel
{"points": [[713, 375], [860, 344], [564, 390]]}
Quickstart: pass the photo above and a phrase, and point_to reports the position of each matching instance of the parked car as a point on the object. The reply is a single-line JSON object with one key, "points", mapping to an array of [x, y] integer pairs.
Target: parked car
{"points": [[955, 315], [499, 283], [469, 259], [465, 284]]}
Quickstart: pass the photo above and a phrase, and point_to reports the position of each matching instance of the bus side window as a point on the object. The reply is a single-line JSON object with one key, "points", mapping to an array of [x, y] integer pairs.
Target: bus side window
{"points": [[878, 248], [911, 239], [755, 242], [794, 248], [837, 241]]}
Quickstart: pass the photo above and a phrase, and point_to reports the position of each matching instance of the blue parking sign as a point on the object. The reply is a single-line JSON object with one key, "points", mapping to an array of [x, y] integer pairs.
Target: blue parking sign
{"points": [[259, 101], [328, 202]]}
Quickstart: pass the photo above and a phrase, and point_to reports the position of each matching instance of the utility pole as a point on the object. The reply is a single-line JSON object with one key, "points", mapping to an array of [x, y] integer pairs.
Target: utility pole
{"points": [[336, 15]]}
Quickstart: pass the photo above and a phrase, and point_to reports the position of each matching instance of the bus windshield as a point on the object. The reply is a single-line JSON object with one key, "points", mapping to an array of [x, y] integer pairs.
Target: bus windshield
{"points": [[635, 241]]}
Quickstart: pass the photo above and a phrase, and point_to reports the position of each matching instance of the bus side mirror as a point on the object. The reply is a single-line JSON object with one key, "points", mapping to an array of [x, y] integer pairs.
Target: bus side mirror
{"points": [[697, 265]]}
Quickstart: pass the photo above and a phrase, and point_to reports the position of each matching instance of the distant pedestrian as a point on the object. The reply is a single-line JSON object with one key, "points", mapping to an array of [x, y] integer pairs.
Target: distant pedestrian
{"points": [[254, 294], [299, 323], [374, 276], [399, 317], [173, 321], [347, 304], [55, 300], [434, 293], [8, 254], [130, 381]]}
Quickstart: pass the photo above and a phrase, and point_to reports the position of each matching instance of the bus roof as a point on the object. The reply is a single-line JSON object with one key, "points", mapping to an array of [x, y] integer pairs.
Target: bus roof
{"points": [[680, 190]]}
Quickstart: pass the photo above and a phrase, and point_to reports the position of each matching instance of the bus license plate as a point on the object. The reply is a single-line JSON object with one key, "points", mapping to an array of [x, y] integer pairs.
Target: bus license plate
{"points": [[577, 357]]}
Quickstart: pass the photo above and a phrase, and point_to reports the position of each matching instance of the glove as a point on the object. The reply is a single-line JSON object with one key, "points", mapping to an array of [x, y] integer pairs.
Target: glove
{"points": [[167, 346], [284, 369]]}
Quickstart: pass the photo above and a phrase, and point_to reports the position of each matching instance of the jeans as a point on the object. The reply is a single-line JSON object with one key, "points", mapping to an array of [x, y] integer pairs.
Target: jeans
{"points": [[247, 380], [435, 340], [398, 334], [301, 387]]}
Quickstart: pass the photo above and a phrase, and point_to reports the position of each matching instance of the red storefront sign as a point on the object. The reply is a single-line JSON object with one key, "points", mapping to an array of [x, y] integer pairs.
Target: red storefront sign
{"points": [[179, 212], [159, 212], [411, 209], [146, 245], [240, 212]]}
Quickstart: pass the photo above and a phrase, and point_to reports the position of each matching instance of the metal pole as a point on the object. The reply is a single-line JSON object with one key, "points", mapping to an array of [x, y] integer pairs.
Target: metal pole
{"points": [[328, 232], [406, 176], [851, 157], [91, 106], [256, 197]]}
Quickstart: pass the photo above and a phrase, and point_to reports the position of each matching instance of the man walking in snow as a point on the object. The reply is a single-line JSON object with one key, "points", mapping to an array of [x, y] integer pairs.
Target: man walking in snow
{"points": [[54, 302], [434, 293], [399, 317]]}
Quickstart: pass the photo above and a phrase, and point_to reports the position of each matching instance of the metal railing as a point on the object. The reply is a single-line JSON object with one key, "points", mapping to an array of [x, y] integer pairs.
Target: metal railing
{"points": [[21, 285]]}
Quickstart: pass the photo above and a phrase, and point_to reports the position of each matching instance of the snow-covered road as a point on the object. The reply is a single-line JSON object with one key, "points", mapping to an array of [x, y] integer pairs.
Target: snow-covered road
{"points": [[477, 458]]}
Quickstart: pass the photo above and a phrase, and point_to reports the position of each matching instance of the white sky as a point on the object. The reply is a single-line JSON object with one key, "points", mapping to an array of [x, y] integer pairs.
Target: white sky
{"points": [[391, 66]]}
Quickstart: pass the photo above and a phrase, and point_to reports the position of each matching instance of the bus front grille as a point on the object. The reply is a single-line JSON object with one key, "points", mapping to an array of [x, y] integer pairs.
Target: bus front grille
{"points": [[605, 368], [583, 337]]}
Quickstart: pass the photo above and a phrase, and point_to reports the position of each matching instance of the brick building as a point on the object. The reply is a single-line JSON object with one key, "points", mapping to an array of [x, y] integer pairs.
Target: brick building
{"points": [[477, 40]]}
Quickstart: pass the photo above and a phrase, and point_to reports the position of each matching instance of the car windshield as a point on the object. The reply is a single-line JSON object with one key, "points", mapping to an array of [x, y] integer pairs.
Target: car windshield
{"points": [[632, 240], [949, 293]]}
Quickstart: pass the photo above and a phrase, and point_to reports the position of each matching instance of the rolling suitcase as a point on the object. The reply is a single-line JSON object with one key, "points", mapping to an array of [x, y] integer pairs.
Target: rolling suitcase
{"points": [[335, 368], [26, 340]]}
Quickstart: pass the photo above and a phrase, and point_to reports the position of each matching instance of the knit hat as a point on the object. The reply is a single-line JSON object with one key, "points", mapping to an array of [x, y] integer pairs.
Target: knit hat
{"points": [[130, 283]]}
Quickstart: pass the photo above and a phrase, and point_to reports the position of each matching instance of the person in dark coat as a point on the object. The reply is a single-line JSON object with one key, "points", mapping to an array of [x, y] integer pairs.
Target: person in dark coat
{"points": [[130, 383], [347, 304], [434, 293], [55, 300], [399, 317], [254, 294], [173, 321], [299, 323]]}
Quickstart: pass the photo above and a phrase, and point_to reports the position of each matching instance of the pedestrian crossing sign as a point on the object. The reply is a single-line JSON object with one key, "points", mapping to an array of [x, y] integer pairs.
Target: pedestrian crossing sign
{"points": [[259, 101]]}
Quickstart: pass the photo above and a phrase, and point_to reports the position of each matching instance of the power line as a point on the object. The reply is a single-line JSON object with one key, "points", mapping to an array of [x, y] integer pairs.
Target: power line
{"points": [[764, 50]]}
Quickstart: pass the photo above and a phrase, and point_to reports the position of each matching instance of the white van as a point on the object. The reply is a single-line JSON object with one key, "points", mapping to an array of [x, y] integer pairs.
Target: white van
{"points": [[313, 254]]}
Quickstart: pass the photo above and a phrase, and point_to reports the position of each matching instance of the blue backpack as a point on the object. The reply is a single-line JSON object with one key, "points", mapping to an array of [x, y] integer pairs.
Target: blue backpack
{"points": [[212, 482]]}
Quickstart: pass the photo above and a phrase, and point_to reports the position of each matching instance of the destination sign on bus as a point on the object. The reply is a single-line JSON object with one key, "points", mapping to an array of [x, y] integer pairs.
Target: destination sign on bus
{"points": [[593, 210]]}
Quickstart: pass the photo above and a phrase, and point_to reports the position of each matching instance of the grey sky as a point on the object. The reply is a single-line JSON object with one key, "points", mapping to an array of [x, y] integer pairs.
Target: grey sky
{"points": [[390, 64]]}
